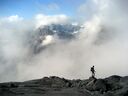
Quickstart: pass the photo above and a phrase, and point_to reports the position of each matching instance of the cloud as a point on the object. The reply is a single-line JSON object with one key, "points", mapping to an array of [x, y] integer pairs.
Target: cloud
{"points": [[53, 6], [48, 8], [87, 9], [13, 36], [106, 28], [13, 18], [17, 37], [47, 19], [48, 39]]}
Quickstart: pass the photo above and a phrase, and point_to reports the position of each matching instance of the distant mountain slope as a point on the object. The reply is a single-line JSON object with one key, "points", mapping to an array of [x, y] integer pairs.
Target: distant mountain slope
{"points": [[46, 35], [61, 30], [55, 86]]}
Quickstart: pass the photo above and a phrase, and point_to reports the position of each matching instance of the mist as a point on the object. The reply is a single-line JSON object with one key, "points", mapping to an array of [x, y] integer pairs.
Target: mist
{"points": [[101, 42]]}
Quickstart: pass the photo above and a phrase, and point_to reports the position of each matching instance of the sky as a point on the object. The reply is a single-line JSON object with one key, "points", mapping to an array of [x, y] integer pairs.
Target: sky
{"points": [[28, 8]]}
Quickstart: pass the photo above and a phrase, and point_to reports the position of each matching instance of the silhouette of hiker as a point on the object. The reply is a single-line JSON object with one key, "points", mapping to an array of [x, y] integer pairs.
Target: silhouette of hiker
{"points": [[93, 71]]}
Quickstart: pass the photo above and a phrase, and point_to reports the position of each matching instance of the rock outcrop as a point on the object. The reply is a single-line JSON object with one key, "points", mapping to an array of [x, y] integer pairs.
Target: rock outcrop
{"points": [[55, 86]]}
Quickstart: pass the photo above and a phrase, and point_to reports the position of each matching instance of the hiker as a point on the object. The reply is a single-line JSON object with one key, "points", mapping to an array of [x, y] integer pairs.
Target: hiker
{"points": [[93, 71]]}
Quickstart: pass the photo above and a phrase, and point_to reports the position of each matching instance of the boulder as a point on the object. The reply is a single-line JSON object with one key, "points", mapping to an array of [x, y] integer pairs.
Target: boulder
{"points": [[100, 85]]}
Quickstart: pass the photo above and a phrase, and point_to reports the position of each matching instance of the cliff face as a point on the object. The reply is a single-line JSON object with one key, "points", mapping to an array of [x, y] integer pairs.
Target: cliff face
{"points": [[55, 86]]}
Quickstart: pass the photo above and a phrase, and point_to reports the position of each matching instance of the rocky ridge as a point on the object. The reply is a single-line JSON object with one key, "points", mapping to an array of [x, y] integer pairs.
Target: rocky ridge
{"points": [[55, 86]]}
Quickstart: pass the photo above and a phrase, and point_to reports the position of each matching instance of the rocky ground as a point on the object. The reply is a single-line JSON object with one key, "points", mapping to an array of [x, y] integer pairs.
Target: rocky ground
{"points": [[55, 86]]}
